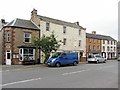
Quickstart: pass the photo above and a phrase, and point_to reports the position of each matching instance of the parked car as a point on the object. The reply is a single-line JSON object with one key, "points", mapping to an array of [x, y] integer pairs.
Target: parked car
{"points": [[96, 58], [63, 58], [119, 58]]}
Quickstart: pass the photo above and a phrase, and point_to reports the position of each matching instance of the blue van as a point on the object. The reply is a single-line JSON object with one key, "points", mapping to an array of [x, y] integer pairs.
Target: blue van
{"points": [[63, 58]]}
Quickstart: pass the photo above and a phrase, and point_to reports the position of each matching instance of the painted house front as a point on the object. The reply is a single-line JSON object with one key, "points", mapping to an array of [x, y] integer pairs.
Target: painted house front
{"points": [[72, 35], [109, 48], [17, 36], [101, 44]]}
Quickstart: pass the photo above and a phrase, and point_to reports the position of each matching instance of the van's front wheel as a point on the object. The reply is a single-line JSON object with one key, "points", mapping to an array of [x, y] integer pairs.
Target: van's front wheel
{"points": [[57, 64], [75, 63]]}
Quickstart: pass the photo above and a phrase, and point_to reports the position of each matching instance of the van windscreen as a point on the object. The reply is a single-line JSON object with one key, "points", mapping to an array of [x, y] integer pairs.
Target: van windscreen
{"points": [[56, 55]]}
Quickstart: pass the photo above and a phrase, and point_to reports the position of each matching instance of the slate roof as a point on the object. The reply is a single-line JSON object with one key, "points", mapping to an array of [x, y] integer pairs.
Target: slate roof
{"points": [[97, 36], [21, 23], [60, 22]]}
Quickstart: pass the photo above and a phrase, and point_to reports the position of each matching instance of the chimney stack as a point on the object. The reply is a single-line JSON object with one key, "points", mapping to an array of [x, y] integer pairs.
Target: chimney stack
{"points": [[94, 32], [3, 21], [34, 12], [77, 23]]}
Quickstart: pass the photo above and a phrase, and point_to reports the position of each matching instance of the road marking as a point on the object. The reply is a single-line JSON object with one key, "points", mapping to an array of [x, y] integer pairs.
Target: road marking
{"points": [[20, 82], [106, 66], [18, 69], [76, 72]]}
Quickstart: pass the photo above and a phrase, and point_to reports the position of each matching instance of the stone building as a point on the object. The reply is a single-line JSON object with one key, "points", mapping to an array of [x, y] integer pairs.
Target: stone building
{"points": [[17, 35], [72, 35]]}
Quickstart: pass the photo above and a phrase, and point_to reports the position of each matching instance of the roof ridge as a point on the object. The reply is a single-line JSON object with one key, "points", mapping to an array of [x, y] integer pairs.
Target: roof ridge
{"points": [[57, 20], [99, 34], [22, 23], [14, 21]]}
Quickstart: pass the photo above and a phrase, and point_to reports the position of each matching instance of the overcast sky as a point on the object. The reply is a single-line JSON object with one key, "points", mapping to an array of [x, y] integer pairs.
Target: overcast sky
{"points": [[98, 15]]}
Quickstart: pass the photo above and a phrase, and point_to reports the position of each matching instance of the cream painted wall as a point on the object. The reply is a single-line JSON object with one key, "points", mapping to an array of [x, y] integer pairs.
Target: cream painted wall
{"points": [[72, 36], [106, 45]]}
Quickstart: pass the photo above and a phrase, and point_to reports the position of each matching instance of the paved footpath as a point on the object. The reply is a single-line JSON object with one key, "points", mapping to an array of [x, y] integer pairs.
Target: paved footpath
{"points": [[19, 67]]}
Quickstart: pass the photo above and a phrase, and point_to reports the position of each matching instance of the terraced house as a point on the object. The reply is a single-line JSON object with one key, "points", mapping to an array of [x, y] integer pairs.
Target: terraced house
{"points": [[72, 35], [17, 35], [101, 44]]}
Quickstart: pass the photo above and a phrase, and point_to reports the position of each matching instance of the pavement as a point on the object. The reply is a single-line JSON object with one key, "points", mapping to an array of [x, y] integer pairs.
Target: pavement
{"points": [[9, 67], [5, 67]]}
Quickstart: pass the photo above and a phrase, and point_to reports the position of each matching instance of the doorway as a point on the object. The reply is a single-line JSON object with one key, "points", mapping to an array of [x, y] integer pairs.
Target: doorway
{"points": [[8, 57]]}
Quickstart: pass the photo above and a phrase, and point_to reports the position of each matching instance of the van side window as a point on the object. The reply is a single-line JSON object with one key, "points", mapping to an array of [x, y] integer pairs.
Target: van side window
{"points": [[63, 55]]}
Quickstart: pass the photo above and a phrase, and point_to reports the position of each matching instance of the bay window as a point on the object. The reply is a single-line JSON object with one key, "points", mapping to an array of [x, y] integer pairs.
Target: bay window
{"points": [[26, 54]]}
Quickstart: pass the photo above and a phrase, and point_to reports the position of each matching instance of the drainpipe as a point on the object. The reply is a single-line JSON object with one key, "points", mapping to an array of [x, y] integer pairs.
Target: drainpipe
{"points": [[39, 51]]}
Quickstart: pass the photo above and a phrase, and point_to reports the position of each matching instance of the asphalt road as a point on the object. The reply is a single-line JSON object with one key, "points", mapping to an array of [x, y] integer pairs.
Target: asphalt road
{"points": [[102, 75]]}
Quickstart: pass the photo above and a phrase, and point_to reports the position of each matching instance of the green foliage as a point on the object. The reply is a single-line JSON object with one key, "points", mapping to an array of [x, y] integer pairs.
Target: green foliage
{"points": [[47, 44]]}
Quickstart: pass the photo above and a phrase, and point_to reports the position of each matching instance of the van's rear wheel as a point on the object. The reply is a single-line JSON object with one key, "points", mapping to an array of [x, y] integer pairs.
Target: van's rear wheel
{"points": [[74, 63], [57, 64]]}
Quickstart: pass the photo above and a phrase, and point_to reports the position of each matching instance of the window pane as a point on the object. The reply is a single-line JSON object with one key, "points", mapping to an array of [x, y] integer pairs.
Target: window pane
{"points": [[27, 34], [47, 26], [27, 39], [30, 51], [64, 29], [20, 51], [8, 36], [79, 42], [26, 57], [64, 41], [25, 51]]}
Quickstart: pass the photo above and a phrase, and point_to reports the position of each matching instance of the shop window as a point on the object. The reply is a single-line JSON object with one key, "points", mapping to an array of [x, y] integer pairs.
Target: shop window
{"points": [[26, 54]]}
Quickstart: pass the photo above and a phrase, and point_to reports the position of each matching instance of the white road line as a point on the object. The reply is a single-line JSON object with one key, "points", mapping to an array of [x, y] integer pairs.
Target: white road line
{"points": [[17, 69], [106, 67], [75, 72], [20, 82]]}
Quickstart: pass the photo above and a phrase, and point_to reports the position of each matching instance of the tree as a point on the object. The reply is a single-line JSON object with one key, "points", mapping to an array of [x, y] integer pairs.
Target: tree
{"points": [[47, 44]]}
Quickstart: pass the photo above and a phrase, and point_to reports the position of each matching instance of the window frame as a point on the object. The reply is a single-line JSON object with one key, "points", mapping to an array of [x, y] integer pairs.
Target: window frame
{"points": [[79, 32], [64, 29], [22, 55], [79, 43], [47, 26], [8, 36], [27, 37], [64, 41]]}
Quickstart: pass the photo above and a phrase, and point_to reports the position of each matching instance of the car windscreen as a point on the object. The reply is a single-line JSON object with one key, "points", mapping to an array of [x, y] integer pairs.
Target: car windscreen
{"points": [[90, 56], [56, 55]]}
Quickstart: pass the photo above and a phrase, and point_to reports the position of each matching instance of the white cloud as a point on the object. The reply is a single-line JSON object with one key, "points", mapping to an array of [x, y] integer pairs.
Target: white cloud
{"points": [[99, 15]]}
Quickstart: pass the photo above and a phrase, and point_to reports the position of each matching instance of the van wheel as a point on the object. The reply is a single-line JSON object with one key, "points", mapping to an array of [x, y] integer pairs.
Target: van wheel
{"points": [[74, 63], [57, 64]]}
